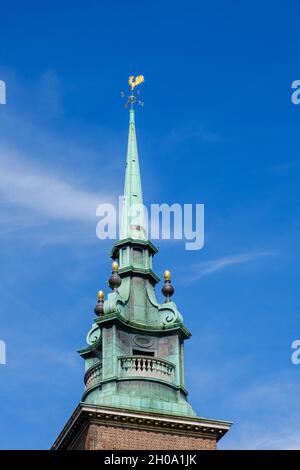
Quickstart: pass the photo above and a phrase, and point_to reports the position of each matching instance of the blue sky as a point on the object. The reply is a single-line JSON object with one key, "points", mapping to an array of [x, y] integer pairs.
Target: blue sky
{"points": [[218, 127]]}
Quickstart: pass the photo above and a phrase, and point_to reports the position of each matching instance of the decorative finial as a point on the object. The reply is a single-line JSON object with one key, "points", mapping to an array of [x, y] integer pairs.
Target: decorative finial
{"points": [[132, 98], [114, 280], [100, 295], [115, 267], [99, 310], [168, 289]]}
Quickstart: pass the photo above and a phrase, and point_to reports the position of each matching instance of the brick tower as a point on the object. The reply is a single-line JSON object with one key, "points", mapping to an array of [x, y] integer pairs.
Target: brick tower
{"points": [[135, 396]]}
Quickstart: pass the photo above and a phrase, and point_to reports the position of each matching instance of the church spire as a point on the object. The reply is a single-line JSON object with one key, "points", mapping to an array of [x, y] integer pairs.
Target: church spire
{"points": [[133, 218], [134, 359]]}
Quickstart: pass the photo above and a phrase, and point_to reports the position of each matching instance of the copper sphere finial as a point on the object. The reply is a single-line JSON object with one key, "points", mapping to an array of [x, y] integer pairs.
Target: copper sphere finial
{"points": [[114, 280], [99, 309], [168, 289]]}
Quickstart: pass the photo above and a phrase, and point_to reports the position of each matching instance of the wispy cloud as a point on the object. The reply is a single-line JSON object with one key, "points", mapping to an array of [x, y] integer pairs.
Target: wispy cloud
{"points": [[209, 267], [42, 191], [271, 397], [47, 166], [275, 401]]}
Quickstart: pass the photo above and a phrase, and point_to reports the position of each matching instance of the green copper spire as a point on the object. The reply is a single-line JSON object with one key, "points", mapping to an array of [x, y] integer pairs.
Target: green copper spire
{"points": [[133, 220], [134, 357]]}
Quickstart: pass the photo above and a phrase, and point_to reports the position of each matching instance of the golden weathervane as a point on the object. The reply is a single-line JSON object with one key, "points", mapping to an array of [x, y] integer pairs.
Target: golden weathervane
{"points": [[134, 81]]}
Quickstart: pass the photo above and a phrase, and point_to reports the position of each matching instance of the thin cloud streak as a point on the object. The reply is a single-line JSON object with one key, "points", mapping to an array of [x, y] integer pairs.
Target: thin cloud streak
{"points": [[42, 178], [46, 194], [272, 397], [275, 401], [209, 267]]}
